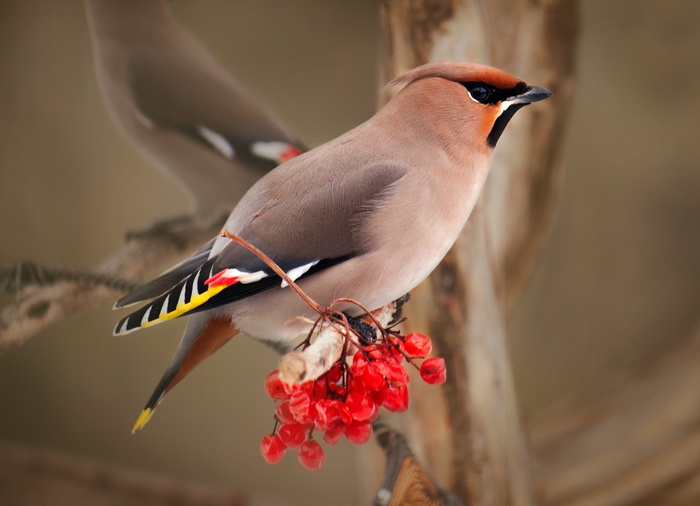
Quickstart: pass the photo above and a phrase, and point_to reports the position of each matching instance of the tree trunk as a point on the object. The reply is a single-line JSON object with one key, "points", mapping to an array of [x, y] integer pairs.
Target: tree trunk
{"points": [[471, 438]]}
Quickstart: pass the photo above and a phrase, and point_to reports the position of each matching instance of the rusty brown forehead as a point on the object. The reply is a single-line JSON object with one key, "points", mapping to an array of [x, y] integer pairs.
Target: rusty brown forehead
{"points": [[460, 72], [491, 76]]}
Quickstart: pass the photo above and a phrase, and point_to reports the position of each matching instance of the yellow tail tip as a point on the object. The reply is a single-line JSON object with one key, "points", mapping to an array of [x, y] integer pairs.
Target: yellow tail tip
{"points": [[143, 419]]}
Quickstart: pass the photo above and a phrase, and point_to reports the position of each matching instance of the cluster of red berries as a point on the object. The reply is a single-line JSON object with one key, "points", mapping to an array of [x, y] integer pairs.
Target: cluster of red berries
{"points": [[346, 400]]}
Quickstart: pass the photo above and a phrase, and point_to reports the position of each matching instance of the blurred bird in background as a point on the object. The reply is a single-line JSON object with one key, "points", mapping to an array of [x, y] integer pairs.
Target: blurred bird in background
{"points": [[182, 109]]}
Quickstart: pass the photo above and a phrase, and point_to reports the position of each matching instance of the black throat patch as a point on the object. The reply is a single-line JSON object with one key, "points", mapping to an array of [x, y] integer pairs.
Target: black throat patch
{"points": [[501, 123]]}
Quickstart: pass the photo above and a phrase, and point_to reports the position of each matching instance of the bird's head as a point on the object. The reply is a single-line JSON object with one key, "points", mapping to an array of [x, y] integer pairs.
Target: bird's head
{"points": [[483, 95]]}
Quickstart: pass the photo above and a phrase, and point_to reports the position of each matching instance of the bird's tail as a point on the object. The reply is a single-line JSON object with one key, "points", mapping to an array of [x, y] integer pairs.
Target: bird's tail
{"points": [[203, 336]]}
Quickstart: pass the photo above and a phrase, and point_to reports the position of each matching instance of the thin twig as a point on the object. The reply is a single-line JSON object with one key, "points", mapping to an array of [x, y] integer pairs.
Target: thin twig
{"points": [[25, 274], [278, 270], [37, 307]]}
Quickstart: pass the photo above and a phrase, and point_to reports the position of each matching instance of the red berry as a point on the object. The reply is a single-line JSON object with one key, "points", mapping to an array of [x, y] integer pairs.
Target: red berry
{"points": [[359, 361], [398, 351], [334, 375], [290, 388], [274, 386], [327, 414], [433, 371], [272, 448], [338, 390], [381, 367], [320, 388], [345, 414], [283, 413], [397, 372], [293, 434], [391, 368], [418, 345], [311, 455], [333, 435], [362, 407], [370, 378], [301, 407], [395, 398], [359, 432], [379, 354]]}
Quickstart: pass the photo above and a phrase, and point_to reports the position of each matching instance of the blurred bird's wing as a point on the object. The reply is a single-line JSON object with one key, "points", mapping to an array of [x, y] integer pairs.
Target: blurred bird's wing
{"points": [[189, 91]]}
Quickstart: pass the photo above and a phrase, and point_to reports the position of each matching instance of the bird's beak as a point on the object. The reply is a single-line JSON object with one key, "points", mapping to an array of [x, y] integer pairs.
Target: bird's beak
{"points": [[530, 95]]}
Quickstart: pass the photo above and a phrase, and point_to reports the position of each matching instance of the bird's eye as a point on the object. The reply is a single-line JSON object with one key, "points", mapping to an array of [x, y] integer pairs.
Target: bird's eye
{"points": [[480, 92]]}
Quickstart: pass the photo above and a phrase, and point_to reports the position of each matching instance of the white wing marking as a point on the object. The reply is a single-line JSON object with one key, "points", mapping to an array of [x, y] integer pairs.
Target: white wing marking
{"points": [[297, 272], [217, 141]]}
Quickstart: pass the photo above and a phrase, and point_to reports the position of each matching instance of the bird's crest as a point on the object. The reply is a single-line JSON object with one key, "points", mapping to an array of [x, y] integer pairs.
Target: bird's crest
{"points": [[453, 71]]}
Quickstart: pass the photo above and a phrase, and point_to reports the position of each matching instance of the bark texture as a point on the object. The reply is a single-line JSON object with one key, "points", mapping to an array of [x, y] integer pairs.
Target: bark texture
{"points": [[38, 305], [470, 438]]}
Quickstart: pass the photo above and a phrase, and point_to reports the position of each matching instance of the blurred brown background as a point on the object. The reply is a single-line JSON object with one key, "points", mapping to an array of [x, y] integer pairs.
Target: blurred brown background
{"points": [[618, 284]]}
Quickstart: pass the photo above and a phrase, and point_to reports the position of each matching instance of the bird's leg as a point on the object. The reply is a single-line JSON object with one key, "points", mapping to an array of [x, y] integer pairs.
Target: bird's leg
{"points": [[397, 317]]}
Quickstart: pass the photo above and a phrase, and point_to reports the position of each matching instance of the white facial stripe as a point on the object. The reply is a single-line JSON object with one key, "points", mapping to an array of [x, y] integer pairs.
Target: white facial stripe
{"points": [[297, 272], [217, 141], [271, 150], [504, 105]]}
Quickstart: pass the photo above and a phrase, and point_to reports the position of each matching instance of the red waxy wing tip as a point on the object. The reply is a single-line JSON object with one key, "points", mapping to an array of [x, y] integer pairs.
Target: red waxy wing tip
{"points": [[220, 278], [289, 153]]}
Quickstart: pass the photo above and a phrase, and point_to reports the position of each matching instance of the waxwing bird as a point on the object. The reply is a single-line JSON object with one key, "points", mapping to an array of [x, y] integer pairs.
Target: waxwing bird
{"points": [[366, 216], [180, 107]]}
